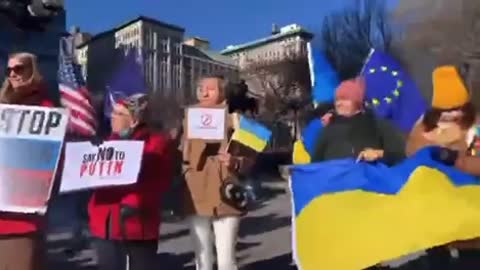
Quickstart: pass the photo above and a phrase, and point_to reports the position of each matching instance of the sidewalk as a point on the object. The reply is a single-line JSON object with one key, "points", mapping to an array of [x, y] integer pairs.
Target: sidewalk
{"points": [[264, 237]]}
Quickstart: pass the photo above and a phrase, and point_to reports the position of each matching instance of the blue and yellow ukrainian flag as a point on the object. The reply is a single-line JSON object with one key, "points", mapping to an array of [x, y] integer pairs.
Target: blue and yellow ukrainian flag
{"points": [[323, 76], [252, 134], [349, 216]]}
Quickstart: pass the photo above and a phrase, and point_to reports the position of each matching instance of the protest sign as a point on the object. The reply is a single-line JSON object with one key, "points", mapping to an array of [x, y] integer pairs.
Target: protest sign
{"points": [[114, 163], [206, 123], [31, 140]]}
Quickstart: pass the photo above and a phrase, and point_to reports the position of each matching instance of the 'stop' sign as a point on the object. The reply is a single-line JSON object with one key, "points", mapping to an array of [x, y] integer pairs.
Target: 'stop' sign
{"points": [[33, 122]]}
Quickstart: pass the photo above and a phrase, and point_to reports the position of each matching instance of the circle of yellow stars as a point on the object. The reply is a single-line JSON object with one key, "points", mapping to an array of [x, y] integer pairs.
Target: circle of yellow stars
{"points": [[394, 94]]}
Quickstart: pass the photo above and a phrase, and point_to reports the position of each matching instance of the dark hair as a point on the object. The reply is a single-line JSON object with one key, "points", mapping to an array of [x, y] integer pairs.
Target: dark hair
{"points": [[432, 116], [319, 111]]}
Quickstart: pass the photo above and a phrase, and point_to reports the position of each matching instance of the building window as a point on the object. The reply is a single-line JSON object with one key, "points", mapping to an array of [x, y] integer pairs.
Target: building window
{"points": [[165, 45], [179, 82]]}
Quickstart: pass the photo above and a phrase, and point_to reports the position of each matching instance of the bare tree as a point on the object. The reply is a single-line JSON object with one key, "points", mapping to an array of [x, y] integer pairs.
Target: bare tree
{"points": [[286, 88], [165, 112], [349, 34], [239, 100], [449, 31]]}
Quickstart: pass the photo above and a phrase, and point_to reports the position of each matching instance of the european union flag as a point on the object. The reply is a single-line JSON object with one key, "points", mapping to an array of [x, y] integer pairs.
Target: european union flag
{"points": [[391, 92], [127, 79], [323, 76], [349, 215]]}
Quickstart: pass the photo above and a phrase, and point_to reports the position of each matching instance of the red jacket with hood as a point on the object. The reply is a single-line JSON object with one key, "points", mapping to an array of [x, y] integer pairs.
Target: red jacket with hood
{"points": [[155, 176], [20, 224]]}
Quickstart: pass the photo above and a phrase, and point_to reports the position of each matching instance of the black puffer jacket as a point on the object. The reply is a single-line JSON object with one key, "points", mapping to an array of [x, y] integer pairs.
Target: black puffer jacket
{"points": [[346, 137]]}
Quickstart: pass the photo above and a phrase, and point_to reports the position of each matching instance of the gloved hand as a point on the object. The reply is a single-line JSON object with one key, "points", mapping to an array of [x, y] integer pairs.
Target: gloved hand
{"points": [[128, 212], [444, 155], [96, 141]]}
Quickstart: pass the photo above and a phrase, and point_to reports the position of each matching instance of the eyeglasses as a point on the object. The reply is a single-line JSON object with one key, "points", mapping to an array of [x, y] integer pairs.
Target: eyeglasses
{"points": [[18, 69]]}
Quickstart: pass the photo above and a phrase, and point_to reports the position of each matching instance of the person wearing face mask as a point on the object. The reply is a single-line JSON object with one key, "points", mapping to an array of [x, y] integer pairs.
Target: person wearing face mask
{"points": [[353, 132], [206, 166], [21, 235], [125, 220]]}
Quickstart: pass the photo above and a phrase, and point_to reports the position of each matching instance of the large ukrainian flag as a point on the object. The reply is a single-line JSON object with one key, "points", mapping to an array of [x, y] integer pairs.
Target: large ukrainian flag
{"points": [[350, 216]]}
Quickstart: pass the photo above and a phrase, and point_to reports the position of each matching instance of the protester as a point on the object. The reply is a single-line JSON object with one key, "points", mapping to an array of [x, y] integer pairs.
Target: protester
{"points": [[21, 235], [125, 220], [206, 167], [450, 123], [352, 131]]}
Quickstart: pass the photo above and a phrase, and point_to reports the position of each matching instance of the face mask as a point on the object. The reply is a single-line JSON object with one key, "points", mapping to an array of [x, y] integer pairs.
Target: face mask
{"points": [[125, 133]]}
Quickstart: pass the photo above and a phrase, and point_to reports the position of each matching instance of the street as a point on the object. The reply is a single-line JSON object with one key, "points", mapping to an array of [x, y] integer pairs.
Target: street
{"points": [[264, 238]]}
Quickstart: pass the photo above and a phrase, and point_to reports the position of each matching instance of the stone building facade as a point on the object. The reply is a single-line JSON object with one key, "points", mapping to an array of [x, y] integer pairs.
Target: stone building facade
{"points": [[171, 63]]}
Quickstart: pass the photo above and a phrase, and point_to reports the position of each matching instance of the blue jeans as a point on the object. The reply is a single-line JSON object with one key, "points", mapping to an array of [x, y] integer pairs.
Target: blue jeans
{"points": [[112, 255]]}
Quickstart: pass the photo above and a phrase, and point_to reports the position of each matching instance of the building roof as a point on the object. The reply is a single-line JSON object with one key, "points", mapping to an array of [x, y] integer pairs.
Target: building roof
{"points": [[197, 38], [218, 57], [287, 31], [137, 19], [207, 54], [97, 37], [153, 21]]}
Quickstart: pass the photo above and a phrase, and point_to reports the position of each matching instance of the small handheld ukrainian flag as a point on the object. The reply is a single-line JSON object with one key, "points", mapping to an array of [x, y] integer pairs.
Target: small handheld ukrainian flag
{"points": [[251, 134]]}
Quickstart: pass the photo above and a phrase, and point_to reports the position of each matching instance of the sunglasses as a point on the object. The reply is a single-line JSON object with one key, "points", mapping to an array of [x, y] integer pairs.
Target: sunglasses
{"points": [[19, 69]]}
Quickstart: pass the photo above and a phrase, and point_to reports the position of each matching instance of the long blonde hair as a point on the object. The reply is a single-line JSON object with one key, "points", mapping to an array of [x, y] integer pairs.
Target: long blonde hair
{"points": [[7, 93]]}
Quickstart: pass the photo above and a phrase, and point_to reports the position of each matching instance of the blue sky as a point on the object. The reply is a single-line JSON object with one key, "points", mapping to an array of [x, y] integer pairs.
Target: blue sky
{"points": [[223, 22]]}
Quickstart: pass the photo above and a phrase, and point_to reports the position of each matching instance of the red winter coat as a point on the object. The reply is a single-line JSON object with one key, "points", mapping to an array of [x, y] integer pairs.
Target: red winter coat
{"points": [[145, 196], [18, 224]]}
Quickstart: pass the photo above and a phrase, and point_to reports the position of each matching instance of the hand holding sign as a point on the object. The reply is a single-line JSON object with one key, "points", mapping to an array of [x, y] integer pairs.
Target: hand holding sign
{"points": [[96, 140]]}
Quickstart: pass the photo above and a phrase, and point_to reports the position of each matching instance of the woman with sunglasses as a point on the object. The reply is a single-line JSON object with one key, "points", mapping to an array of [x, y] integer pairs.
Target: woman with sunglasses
{"points": [[20, 235]]}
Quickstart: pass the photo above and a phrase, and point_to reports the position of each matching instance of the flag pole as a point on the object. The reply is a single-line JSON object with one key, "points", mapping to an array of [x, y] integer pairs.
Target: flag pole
{"points": [[367, 59], [311, 64], [236, 125], [311, 69]]}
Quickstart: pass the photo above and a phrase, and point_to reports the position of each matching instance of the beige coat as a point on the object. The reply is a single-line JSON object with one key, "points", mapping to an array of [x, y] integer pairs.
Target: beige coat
{"points": [[204, 174], [465, 163]]}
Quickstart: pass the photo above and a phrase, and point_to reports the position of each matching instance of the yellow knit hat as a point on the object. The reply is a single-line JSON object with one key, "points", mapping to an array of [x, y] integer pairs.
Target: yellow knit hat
{"points": [[449, 91]]}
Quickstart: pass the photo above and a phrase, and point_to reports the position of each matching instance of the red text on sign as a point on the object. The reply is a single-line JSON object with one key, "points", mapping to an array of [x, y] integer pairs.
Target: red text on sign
{"points": [[102, 168]]}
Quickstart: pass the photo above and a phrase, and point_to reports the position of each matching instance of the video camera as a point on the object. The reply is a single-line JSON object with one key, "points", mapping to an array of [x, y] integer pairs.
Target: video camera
{"points": [[31, 15]]}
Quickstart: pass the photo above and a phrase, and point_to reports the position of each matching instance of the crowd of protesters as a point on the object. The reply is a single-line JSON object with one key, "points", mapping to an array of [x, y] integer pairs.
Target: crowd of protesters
{"points": [[124, 221]]}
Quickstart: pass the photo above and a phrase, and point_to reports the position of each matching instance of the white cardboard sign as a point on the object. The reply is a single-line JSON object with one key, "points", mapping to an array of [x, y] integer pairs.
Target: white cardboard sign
{"points": [[206, 123], [114, 163]]}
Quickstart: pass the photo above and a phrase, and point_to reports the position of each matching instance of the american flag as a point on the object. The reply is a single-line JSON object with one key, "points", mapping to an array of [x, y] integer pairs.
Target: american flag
{"points": [[74, 94]]}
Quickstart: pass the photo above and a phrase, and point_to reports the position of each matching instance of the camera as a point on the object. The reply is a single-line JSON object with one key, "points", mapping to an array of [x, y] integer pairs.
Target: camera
{"points": [[45, 8], [30, 15]]}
